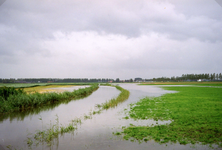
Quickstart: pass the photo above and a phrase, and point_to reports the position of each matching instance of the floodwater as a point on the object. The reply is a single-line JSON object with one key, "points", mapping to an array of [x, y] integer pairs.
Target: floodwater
{"points": [[92, 134]]}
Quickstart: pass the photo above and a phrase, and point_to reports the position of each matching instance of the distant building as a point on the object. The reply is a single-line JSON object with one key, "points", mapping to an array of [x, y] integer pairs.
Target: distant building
{"points": [[138, 80]]}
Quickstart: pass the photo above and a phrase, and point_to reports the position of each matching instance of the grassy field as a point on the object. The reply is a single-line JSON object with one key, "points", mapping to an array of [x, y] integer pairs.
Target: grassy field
{"points": [[184, 83], [25, 85], [195, 112], [46, 88]]}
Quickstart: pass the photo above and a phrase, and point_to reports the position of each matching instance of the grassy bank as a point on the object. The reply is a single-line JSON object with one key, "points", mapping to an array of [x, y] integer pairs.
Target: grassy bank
{"points": [[195, 113], [23, 101], [124, 95]]}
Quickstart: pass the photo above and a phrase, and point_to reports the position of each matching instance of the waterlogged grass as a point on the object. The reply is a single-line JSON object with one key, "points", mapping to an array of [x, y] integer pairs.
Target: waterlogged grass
{"points": [[195, 112], [24, 101], [53, 132]]}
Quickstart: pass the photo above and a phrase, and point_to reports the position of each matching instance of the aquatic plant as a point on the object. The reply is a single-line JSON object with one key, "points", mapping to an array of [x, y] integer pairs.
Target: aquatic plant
{"points": [[47, 135]]}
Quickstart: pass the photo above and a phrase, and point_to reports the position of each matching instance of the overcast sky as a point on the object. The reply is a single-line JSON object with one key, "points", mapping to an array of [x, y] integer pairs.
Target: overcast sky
{"points": [[109, 39]]}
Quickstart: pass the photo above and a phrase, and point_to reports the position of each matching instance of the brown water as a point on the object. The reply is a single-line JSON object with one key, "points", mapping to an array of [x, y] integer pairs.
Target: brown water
{"points": [[92, 134]]}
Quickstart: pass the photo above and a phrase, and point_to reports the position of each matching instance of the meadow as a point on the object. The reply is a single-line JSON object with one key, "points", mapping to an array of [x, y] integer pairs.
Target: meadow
{"points": [[184, 83], [195, 112], [26, 85]]}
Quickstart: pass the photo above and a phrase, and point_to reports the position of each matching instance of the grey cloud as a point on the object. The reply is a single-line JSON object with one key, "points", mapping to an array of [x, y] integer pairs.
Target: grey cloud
{"points": [[219, 2], [188, 36], [2, 1], [42, 18]]}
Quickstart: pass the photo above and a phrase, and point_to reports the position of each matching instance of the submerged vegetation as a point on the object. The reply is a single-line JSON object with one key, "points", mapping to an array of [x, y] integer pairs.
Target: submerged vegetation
{"points": [[47, 135], [12, 99], [195, 113]]}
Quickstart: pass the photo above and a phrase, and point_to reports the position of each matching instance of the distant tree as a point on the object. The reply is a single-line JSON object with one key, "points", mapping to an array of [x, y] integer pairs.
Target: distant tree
{"points": [[214, 76], [217, 76], [117, 80], [173, 78]]}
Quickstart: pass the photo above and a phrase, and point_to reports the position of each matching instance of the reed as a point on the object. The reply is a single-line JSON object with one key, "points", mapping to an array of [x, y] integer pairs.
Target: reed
{"points": [[21, 101]]}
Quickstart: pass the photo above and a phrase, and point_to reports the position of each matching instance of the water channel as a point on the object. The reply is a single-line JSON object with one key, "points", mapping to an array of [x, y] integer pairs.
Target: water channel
{"points": [[92, 134]]}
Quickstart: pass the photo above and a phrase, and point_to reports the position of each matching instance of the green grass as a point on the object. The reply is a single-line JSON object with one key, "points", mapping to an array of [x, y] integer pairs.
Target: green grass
{"points": [[195, 112], [24, 101], [25, 85], [184, 83]]}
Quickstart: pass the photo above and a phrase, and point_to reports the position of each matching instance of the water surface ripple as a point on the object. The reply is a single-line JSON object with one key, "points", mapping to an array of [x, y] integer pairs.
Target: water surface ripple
{"points": [[92, 134]]}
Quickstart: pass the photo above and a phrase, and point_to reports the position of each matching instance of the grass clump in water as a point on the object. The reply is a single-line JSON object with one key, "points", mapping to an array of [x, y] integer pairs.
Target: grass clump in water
{"points": [[46, 136], [195, 113]]}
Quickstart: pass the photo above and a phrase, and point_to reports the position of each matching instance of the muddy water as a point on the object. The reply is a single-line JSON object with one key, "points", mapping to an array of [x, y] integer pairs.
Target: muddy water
{"points": [[92, 134]]}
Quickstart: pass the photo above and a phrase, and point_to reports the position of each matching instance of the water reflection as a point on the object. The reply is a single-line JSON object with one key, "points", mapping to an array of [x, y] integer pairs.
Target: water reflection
{"points": [[19, 116], [93, 134]]}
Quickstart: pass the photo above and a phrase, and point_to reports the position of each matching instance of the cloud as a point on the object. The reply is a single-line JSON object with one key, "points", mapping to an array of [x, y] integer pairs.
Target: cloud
{"points": [[83, 38]]}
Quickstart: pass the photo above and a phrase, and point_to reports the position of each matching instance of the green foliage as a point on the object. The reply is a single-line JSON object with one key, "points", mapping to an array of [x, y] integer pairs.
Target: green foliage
{"points": [[5, 92], [195, 113], [19, 100]]}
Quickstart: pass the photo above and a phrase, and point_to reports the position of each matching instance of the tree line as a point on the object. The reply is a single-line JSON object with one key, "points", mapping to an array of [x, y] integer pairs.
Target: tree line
{"points": [[184, 77], [192, 77], [53, 80]]}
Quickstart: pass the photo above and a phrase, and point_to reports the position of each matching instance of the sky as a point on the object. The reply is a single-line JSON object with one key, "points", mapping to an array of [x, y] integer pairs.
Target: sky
{"points": [[109, 39]]}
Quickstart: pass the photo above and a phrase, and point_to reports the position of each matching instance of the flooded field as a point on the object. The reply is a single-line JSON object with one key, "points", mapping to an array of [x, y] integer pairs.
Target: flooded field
{"points": [[93, 134]]}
